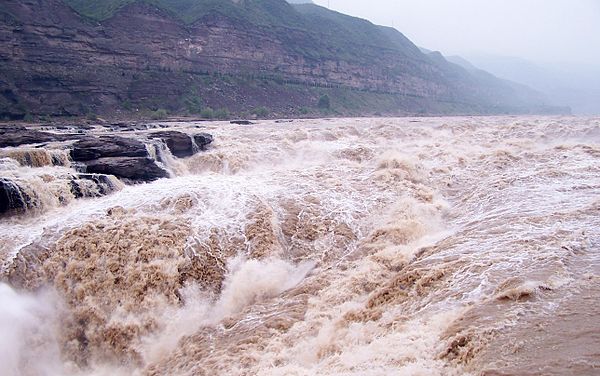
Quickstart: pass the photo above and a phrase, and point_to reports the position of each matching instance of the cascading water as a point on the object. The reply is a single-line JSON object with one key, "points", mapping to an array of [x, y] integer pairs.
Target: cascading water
{"points": [[442, 246], [159, 151]]}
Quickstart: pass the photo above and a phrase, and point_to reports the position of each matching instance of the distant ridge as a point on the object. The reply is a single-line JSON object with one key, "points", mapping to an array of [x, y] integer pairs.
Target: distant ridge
{"points": [[264, 57]]}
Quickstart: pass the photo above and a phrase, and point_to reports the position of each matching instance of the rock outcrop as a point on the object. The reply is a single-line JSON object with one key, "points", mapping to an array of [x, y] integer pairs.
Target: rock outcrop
{"points": [[123, 157], [20, 195], [91, 148], [137, 169], [202, 140], [98, 164], [11, 197], [16, 135], [181, 144], [103, 185]]}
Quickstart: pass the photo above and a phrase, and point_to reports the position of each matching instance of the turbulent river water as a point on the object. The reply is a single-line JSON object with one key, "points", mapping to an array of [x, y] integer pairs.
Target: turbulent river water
{"points": [[429, 246]]}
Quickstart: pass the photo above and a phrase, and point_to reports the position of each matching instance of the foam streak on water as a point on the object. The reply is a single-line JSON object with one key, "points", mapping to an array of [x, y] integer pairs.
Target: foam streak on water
{"points": [[442, 246]]}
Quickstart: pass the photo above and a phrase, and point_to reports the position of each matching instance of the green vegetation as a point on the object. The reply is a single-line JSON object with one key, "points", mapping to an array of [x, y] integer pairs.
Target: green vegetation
{"points": [[222, 114], [28, 118], [91, 116], [193, 103], [159, 114], [260, 12], [207, 113], [126, 105], [324, 102], [261, 112], [8, 17]]}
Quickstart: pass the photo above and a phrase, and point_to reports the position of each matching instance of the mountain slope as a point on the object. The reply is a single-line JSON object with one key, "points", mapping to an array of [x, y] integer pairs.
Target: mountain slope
{"points": [[83, 56]]}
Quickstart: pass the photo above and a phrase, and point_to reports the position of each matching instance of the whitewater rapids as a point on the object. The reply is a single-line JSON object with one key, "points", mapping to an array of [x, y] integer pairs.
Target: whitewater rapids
{"points": [[426, 246]]}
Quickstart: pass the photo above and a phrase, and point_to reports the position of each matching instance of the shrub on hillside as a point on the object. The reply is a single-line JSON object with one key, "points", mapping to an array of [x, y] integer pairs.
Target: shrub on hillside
{"points": [[207, 113], [324, 102], [159, 114], [222, 114], [261, 112]]}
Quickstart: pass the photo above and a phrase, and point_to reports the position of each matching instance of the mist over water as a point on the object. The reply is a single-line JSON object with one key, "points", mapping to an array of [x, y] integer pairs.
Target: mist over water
{"points": [[551, 46], [431, 246]]}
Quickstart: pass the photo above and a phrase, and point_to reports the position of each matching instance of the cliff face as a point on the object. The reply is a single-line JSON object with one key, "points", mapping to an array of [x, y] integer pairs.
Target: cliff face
{"points": [[55, 61]]}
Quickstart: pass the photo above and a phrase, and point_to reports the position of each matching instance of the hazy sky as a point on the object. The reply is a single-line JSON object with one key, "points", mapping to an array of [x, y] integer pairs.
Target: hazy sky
{"points": [[541, 30]]}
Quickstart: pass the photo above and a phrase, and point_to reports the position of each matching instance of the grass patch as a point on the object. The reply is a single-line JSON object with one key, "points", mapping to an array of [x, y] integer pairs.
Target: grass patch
{"points": [[222, 114], [261, 112], [159, 114]]}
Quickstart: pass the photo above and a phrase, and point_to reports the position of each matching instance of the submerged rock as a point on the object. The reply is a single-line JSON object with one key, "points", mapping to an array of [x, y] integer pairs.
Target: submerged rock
{"points": [[136, 169], [241, 122]]}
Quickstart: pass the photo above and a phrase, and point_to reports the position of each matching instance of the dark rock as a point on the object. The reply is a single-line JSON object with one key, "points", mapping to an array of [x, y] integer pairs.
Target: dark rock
{"points": [[202, 140], [104, 185], [76, 189], [120, 127], [12, 197], [179, 143], [91, 148], [18, 135], [137, 169], [128, 129], [284, 121], [241, 122]]}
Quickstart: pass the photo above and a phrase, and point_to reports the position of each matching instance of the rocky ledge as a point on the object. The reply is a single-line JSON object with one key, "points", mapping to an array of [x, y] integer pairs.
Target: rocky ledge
{"points": [[95, 164]]}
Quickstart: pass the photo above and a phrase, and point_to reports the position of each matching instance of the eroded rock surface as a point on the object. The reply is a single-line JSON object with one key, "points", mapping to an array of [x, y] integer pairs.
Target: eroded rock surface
{"points": [[132, 168], [91, 148], [41, 169]]}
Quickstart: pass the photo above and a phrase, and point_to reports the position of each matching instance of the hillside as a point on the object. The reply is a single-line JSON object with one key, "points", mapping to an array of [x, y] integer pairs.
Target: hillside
{"points": [[266, 57]]}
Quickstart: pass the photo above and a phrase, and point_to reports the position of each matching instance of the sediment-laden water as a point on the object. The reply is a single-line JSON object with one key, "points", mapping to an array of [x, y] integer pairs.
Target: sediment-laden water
{"points": [[442, 246]]}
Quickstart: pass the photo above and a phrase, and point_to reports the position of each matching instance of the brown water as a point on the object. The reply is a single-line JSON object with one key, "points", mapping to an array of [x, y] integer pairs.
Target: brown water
{"points": [[443, 246]]}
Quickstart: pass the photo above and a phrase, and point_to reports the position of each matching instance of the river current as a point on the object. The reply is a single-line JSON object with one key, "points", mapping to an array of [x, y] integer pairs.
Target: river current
{"points": [[414, 246]]}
